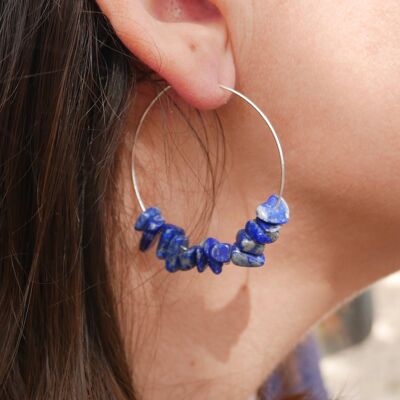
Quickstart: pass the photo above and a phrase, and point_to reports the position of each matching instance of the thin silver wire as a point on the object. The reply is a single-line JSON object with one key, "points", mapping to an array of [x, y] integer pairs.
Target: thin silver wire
{"points": [[243, 97]]}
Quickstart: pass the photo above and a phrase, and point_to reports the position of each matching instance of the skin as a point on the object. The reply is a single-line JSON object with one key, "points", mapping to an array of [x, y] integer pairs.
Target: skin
{"points": [[326, 73]]}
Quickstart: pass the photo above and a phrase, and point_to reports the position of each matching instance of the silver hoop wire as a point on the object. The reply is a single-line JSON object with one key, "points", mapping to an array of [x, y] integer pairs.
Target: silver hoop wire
{"points": [[243, 97]]}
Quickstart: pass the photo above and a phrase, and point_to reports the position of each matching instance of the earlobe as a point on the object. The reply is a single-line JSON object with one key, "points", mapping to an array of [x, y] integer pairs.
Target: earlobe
{"points": [[185, 42]]}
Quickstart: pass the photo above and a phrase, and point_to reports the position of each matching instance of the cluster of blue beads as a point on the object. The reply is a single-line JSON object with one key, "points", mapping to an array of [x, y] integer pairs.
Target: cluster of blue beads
{"points": [[247, 251]]}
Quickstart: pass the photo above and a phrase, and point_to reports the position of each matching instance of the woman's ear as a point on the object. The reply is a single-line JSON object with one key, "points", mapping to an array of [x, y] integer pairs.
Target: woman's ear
{"points": [[186, 42]]}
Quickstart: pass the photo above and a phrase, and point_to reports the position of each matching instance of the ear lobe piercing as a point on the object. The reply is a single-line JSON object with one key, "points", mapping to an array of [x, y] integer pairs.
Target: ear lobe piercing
{"points": [[248, 248]]}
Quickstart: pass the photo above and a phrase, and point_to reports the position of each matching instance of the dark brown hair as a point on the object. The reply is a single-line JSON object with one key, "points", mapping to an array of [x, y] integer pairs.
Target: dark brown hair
{"points": [[65, 79]]}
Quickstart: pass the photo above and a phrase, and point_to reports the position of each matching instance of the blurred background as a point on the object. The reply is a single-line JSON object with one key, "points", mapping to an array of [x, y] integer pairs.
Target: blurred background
{"points": [[360, 345]]}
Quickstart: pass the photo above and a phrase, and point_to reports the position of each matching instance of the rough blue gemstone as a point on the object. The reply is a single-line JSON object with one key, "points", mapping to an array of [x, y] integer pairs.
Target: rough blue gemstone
{"points": [[207, 245], [172, 265], [221, 252], [273, 236], [154, 224], [268, 213], [215, 266], [168, 231], [146, 240], [245, 243], [187, 259], [174, 250], [245, 259], [258, 234], [267, 226], [175, 246], [144, 217], [201, 259]]}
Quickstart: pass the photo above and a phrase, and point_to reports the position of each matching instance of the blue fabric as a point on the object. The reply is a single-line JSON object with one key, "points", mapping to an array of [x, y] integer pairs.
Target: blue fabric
{"points": [[300, 373]]}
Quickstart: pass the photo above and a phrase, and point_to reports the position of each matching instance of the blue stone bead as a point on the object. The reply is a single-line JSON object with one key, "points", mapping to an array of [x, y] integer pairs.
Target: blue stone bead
{"points": [[207, 245], [268, 213], [187, 259], [215, 266], [154, 224], [258, 234], [201, 259], [146, 240], [246, 260], [175, 246], [245, 243], [221, 252], [273, 236], [168, 231], [144, 217], [172, 265], [267, 226]]}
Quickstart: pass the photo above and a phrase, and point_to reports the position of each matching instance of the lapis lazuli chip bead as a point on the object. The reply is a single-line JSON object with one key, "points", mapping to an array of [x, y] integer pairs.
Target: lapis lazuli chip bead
{"points": [[221, 252], [201, 259], [168, 231], [172, 265], [154, 224], [175, 246], [268, 213], [208, 244], [150, 222], [216, 253], [215, 266], [243, 259], [246, 244], [258, 234], [273, 236], [187, 259], [267, 226], [146, 240], [144, 217]]}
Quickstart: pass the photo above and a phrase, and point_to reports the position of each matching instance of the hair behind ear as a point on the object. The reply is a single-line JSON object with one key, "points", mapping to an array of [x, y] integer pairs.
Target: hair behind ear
{"points": [[65, 80]]}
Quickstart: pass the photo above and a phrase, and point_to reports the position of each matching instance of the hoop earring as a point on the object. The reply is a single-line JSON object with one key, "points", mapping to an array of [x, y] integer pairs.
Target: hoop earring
{"points": [[248, 249]]}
